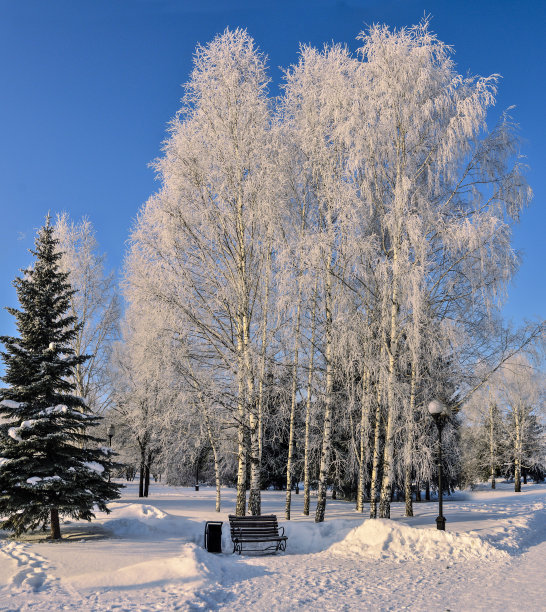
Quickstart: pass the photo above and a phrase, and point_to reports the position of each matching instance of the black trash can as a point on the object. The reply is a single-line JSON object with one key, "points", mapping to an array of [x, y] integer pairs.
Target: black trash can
{"points": [[213, 536]]}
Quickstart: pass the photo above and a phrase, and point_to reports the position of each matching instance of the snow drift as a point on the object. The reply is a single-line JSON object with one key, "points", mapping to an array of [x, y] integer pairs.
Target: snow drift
{"points": [[143, 521], [185, 567], [386, 539], [307, 537]]}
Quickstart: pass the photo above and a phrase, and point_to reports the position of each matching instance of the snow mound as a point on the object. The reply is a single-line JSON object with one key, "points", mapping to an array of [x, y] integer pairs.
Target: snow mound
{"points": [[385, 539], [144, 521], [143, 512], [305, 538], [185, 567]]}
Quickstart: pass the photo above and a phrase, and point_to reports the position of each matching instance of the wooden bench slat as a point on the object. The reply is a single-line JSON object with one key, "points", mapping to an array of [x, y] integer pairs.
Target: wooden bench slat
{"points": [[263, 536], [254, 530], [254, 523], [258, 527], [251, 519], [259, 537], [255, 526], [244, 527]]}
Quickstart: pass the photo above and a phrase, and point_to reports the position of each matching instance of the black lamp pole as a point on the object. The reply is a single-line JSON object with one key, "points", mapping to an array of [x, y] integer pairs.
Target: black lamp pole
{"points": [[110, 433], [439, 413], [439, 419]]}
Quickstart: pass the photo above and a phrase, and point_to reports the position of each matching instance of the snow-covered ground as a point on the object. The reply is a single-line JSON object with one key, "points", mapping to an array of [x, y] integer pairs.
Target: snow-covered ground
{"points": [[148, 555]]}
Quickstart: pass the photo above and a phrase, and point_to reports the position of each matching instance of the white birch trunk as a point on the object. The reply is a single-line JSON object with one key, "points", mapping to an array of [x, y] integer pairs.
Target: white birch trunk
{"points": [[306, 483], [214, 447], [518, 449], [364, 411], [263, 355], [374, 480], [410, 435], [243, 374], [240, 504], [388, 452], [327, 427], [492, 462], [293, 404]]}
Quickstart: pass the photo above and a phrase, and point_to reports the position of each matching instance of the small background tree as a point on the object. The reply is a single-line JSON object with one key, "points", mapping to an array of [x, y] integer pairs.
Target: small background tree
{"points": [[95, 304]]}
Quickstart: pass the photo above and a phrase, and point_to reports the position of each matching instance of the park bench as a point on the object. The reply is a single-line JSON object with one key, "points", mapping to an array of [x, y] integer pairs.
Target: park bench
{"points": [[256, 531]]}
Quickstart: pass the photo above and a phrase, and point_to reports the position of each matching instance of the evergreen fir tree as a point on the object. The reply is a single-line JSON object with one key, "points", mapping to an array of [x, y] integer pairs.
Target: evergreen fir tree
{"points": [[49, 465]]}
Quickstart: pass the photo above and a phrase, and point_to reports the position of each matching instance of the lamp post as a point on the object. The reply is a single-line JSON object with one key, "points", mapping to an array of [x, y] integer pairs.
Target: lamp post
{"points": [[110, 433], [439, 413]]}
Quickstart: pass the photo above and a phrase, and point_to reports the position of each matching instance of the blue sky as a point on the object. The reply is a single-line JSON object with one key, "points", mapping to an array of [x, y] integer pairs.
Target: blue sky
{"points": [[88, 87]]}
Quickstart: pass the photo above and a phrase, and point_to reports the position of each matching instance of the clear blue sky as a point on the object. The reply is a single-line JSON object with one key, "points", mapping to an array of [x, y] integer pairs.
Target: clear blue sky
{"points": [[88, 87]]}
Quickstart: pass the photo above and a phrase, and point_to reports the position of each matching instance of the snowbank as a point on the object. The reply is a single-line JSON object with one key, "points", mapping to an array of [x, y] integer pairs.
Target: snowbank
{"points": [[375, 539], [305, 538], [386, 539], [143, 521], [184, 567]]}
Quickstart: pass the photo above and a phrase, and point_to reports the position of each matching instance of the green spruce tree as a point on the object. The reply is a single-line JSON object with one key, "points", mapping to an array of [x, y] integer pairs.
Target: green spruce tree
{"points": [[50, 466]]}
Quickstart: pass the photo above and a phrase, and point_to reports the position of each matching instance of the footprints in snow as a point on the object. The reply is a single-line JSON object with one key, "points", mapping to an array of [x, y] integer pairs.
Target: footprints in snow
{"points": [[33, 570]]}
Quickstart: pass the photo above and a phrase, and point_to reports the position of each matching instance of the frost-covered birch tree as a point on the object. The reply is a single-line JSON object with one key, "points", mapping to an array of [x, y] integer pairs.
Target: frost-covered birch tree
{"points": [[200, 244], [316, 103], [145, 385], [520, 392], [444, 191], [94, 303]]}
